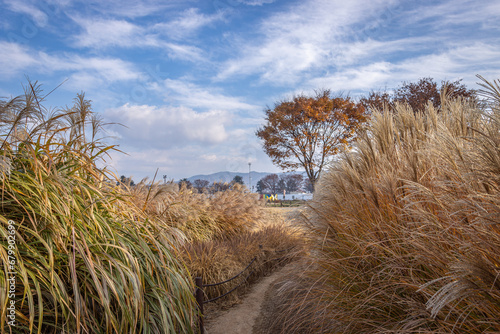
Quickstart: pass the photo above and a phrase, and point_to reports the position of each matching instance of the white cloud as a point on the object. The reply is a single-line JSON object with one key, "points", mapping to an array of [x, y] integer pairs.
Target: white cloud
{"points": [[188, 23], [184, 52], [306, 40], [189, 94], [111, 69], [210, 157], [299, 40], [14, 58], [368, 50], [85, 72], [256, 2], [463, 61], [124, 8], [356, 78], [181, 141], [38, 16], [169, 126], [107, 33], [103, 33], [456, 13]]}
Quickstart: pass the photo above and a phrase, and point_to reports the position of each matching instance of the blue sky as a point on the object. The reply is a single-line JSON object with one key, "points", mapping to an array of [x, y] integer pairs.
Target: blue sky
{"points": [[190, 79]]}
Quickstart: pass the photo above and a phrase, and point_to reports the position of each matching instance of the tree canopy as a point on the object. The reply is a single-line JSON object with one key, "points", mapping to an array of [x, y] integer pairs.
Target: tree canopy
{"points": [[238, 179], [186, 183], [273, 183], [292, 182], [417, 94], [126, 181], [269, 183], [201, 185], [306, 132]]}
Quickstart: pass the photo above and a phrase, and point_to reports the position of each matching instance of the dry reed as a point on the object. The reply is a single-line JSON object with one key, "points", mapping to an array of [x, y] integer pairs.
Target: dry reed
{"points": [[94, 256], [82, 264], [406, 228]]}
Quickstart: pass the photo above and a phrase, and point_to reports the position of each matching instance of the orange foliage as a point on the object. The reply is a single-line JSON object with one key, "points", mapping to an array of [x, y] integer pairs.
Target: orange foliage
{"points": [[307, 132]]}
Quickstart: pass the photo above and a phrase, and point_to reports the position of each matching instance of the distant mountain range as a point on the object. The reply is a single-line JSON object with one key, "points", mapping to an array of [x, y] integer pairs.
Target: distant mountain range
{"points": [[229, 176]]}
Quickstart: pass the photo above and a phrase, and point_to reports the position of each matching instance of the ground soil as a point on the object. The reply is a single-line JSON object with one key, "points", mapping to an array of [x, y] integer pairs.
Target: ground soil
{"points": [[251, 316]]}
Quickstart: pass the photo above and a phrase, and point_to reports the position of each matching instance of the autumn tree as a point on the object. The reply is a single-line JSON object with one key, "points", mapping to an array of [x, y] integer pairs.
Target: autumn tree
{"points": [[219, 186], [269, 183], [418, 94], [260, 187], [186, 183], [377, 100], [238, 179], [306, 132], [291, 182], [126, 181], [200, 185]]}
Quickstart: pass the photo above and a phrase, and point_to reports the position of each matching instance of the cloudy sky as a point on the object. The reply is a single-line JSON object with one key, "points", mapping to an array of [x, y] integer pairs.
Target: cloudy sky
{"points": [[189, 80]]}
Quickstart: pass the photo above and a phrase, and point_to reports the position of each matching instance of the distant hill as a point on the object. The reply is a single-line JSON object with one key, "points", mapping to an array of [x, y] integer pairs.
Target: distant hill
{"points": [[229, 176]]}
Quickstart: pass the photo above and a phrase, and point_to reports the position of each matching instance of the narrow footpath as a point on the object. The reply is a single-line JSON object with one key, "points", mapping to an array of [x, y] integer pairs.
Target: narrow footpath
{"points": [[254, 314], [242, 318]]}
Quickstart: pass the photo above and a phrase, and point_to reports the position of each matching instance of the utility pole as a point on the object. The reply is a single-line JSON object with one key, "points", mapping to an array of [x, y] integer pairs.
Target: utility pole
{"points": [[249, 177], [164, 179]]}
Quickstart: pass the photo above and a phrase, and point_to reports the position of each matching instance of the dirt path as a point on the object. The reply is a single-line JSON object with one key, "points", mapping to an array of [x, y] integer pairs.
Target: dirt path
{"points": [[241, 318], [247, 317]]}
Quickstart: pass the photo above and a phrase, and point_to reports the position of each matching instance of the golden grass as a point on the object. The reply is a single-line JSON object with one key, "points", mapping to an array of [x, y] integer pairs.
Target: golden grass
{"points": [[86, 260], [198, 216], [406, 228], [93, 257], [218, 260], [222, 233]]}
